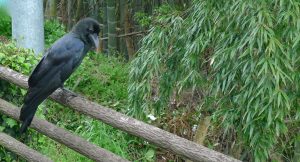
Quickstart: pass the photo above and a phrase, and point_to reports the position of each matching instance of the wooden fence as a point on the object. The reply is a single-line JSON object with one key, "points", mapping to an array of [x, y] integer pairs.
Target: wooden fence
{"points": [[158, 137]]}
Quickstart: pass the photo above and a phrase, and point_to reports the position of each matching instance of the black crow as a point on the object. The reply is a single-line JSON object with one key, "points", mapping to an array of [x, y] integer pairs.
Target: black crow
{"points": [[57, 64]]}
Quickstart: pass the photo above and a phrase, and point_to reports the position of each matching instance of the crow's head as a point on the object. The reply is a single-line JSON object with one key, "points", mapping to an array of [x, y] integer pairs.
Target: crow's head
{"points": [[88, 30]]}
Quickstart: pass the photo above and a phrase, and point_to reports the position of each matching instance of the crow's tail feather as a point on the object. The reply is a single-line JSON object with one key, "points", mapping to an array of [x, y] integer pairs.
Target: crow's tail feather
{"points": [[34, 97], [31, 102], [26, 116], [25, 125]]}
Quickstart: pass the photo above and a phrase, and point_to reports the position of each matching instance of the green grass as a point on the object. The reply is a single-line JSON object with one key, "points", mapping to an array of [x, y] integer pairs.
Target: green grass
{"points": [[92, 130]]}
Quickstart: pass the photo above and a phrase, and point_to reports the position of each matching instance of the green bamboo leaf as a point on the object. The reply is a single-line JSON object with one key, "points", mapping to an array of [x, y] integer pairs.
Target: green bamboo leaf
{"points": [[269, 117]]}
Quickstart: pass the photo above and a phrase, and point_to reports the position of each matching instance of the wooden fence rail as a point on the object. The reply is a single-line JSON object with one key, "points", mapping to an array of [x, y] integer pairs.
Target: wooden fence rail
{"points": [[159, 137], [62, 136], [21, 149]]}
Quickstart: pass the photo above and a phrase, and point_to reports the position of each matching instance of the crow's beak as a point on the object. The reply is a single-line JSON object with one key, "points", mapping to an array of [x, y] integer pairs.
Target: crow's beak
{"points": [[95, 40]]}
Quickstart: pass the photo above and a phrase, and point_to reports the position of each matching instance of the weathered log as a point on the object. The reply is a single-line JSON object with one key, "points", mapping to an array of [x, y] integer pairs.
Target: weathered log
{"points": [[22, 150], [159, 137], [62, 136]]}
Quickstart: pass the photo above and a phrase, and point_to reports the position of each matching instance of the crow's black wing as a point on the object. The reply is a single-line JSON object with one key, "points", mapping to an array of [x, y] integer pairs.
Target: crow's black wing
{"points": [[49, 74], [64, 49]]}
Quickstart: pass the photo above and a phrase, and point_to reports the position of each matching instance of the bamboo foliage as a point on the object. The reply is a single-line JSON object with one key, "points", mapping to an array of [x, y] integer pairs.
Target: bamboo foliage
{"points": [[254, 65]]}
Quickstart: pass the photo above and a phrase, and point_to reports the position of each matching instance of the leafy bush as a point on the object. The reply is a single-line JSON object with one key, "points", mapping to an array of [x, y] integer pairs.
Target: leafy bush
{"points": [[18, 59], [143, 19], [23, 61], [5, 23], [53, 31]]}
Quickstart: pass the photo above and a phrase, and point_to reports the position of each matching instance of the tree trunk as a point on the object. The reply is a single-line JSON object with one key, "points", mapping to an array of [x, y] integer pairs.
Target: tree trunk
{"points": [[127, 29], [95, 13], [44, 6], [105, 27], [201, 131], [47, 9], [122, 43], [111, 22], [79, 10], [28, 24], [148, 7], [86, 8], [69, 10], [53, 9], [63, 13]]}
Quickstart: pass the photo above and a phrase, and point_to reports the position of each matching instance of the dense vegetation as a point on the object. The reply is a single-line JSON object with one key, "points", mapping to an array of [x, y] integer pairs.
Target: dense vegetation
{"points": [[241, 57], [222, 73]]}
